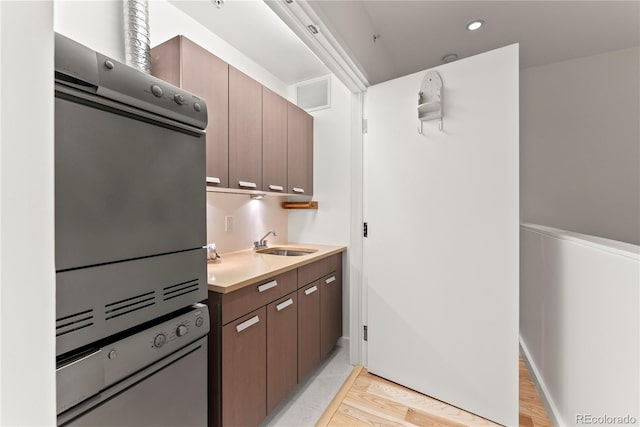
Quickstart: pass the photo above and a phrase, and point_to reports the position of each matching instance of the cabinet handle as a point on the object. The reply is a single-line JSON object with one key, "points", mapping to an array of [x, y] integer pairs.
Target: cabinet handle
{"points": [[276, 187], [247, 323], [213, 180], [284, 304], [247, 184], [298, 190], [330, 280], [311, 290], [267, 286]]}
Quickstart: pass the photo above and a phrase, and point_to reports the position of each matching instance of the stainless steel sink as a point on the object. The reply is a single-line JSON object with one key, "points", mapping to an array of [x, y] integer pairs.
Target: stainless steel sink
{"points": [[286, 252]]}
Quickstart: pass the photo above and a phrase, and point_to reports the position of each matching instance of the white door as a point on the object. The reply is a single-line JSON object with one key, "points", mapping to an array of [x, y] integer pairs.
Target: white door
{"points": [[441, 256]]}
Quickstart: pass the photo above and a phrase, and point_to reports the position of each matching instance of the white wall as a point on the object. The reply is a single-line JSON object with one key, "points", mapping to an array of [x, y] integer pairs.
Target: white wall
{"points": [[251, 220], [98, 24], [27, 271], [580, 145], [168, 21], [579, 322], [331, 223]]}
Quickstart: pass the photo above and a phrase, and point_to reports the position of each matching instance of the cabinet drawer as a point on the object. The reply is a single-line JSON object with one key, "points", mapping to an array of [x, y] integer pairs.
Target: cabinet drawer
{"points": [[242, 301], [316, 270]]}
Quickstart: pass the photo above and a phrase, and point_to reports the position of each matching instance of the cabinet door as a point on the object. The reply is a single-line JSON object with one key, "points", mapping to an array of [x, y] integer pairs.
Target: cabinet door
{"points": [[244, 377], [282, 349], [245, 131], [183, 63], [274, 142], [300, 151], [330, 311], [207, 76], [308, 329]]}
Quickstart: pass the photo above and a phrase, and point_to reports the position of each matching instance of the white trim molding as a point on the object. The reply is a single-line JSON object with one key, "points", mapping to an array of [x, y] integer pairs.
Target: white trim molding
{"points": [[549, 405], [299, 16]]}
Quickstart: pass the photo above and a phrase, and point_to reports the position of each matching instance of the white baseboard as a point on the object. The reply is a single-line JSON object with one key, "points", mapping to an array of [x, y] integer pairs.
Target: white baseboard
{"points": [[343, 342], [545, 396]]}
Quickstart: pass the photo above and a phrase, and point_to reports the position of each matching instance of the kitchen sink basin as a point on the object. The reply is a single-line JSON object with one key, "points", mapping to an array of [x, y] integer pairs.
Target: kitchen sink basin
{"points": [[286, 251]]}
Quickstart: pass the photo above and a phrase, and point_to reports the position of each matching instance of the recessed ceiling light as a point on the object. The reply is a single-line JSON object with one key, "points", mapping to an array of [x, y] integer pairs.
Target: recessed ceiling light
{"points": [[449, 58], [475, 24]]}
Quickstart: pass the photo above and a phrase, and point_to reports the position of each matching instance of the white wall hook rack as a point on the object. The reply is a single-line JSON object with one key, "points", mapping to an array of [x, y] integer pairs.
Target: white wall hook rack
{"points": [[430, 100]]}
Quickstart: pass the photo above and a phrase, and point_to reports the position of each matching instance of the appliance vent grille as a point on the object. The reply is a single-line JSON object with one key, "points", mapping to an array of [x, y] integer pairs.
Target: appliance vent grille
{"points": [[74, 322], [180, 289], [129, 305]]}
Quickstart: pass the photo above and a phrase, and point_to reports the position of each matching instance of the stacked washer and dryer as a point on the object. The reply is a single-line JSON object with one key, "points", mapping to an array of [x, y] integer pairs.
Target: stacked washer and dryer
{"points": [[130, 226]]}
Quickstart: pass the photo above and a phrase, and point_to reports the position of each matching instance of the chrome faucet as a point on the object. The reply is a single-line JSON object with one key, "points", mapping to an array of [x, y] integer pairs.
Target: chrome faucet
{"points": [[262, 243]]}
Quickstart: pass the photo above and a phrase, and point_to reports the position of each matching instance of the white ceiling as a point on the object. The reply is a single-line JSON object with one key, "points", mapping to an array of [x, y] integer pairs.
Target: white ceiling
{"points": [[415, 35], [255, 30]]}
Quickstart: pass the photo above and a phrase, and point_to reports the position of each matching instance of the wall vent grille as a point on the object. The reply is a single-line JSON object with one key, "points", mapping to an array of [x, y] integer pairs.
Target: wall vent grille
{"points": [[74, 322], [313, 95], [129, 305], [180, 289]]}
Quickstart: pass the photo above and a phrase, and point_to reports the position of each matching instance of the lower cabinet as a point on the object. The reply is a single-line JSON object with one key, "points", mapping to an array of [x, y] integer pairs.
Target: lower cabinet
{"points": [[282, 349], [244, 344], [308, 329], [330, 311], [269, 336]]}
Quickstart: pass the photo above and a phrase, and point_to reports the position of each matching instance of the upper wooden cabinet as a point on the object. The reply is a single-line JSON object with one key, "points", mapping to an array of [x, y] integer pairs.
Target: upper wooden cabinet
{"points": [[274, 142], [245, 131], [183, 63], [256, 140], [299, 151]]}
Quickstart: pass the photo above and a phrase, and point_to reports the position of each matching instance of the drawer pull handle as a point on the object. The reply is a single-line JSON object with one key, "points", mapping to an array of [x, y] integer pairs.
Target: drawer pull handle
{"points": [[276, 187], [298, 190], [247, 323], [247, 184], [330, 280], [213, 180], [311, 290], [267, 286], [284, 304]]}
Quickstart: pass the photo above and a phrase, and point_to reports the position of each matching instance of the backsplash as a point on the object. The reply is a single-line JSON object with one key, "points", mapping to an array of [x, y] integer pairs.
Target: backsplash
{"points": [[251, 220]]}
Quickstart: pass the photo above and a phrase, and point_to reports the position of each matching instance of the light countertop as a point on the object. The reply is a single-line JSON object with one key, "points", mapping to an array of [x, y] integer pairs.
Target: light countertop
{"points": [[239, 269]]}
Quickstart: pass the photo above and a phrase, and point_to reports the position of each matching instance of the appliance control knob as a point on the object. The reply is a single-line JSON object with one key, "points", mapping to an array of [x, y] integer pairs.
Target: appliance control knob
{"points": [[159, 340], [197, 106], [178, 98], [156, 90], [112, 354], [199, 321], [108, 64], [181, 331]]}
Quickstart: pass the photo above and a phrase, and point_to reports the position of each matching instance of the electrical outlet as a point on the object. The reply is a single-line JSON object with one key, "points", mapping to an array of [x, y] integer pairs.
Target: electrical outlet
{"points": [[228, 223]]}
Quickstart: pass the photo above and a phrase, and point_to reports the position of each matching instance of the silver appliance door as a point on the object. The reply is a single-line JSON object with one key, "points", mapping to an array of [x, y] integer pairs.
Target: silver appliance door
{"points": [[126, 186], [172, 392]]}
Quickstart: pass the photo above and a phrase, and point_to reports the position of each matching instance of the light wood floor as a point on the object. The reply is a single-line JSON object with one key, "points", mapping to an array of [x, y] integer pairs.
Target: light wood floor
{"points": [[368, 400]]}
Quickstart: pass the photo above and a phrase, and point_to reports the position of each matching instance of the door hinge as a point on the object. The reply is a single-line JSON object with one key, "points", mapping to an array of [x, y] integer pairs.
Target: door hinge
{"points": [[365, 230], [366, 334], [365, 125]]}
